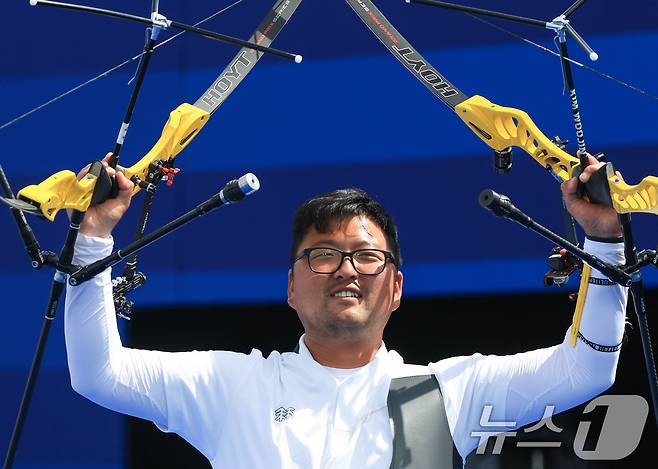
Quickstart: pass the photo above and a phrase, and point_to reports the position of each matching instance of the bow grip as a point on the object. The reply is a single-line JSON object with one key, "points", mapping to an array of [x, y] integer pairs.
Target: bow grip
{"points": [[608, 188], [105, 187], [597, 188]]}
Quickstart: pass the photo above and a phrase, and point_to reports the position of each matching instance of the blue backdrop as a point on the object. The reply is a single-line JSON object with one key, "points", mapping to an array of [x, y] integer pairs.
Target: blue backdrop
{"points": [[348, 115]]}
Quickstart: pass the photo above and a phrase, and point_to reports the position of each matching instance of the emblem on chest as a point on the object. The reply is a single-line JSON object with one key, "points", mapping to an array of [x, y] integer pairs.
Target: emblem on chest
{"points": [[284, 413]]}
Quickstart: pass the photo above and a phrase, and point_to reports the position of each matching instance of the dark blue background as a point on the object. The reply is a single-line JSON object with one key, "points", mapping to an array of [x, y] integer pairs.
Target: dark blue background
{"points": [[349, 115]]}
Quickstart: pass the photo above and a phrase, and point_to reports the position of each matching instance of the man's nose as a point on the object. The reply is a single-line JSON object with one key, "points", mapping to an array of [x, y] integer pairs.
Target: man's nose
{"points": [[346, 268]]}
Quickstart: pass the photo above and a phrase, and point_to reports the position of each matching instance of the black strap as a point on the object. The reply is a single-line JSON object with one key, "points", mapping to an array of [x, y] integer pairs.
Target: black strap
{"points": [[601, 281], [421, 435], [599, 347], [613, 240]]}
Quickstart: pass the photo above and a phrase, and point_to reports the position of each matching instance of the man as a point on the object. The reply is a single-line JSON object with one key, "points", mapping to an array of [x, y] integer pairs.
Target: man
{"points": [[325, 405]]}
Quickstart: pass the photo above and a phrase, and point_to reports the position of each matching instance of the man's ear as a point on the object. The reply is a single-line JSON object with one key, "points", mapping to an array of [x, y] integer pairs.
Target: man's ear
{"points": [[291, 289], [397, 289]]}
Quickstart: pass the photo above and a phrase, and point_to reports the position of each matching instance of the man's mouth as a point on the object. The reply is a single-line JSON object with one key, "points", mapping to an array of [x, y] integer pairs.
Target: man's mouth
{"points": [[346, 294]]}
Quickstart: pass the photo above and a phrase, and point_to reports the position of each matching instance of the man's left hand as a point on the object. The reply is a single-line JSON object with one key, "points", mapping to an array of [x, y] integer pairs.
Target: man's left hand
{"points": [[597, 220]]}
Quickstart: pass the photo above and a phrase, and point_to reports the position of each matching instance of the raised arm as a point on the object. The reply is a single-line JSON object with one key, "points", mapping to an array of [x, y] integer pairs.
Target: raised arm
{"points": [[180, 392], [519, 387]]}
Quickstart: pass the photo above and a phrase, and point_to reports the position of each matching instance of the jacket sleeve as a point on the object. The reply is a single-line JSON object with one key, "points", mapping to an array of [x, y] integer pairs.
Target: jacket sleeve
{"points": [[516, 389], [185, 392]]}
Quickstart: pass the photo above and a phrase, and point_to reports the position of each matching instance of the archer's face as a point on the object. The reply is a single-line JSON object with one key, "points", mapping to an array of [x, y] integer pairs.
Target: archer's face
{"points": [[317, 297]]}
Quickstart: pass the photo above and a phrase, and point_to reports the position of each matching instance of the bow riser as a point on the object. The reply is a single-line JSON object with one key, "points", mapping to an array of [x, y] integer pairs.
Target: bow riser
{"points": [[63, 190], [502, 127], [183, 125]]}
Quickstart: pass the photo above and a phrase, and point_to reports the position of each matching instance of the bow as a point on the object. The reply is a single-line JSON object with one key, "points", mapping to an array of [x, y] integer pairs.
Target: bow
{"points": [[62, 190], [504, 127]]}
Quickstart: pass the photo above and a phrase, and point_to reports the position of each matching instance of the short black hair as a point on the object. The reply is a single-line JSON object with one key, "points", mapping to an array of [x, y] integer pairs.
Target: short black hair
{"points": [[322, 211]]}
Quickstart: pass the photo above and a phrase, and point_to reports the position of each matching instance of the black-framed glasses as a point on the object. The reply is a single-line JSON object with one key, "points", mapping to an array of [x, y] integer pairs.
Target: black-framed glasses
{"points": [[329, 260]]}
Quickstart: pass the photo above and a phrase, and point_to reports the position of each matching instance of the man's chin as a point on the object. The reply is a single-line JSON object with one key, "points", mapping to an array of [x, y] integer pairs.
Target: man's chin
{"points": [[349, 319]]}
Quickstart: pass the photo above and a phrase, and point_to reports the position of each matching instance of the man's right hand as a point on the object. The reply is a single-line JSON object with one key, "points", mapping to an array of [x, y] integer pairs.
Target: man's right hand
{"points": [[101, 219]]}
